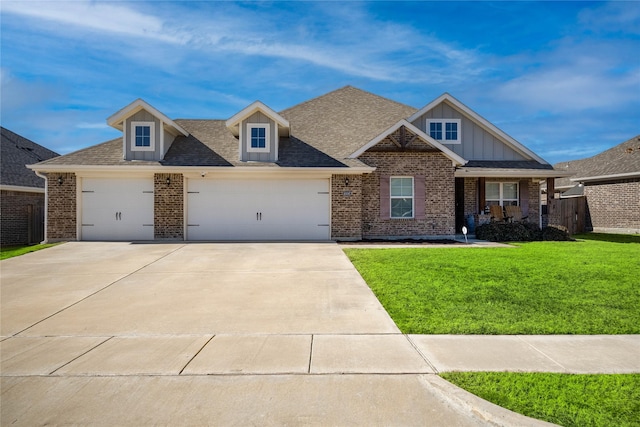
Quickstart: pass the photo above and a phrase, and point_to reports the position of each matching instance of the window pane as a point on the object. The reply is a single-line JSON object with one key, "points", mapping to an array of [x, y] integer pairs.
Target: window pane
{"points": [[401, 187], [492, 191], [143, 136], [401, 208], [451, 131], [435, 130], [510, 190]]}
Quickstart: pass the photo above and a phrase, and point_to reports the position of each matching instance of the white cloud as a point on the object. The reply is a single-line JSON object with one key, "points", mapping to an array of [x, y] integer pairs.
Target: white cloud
{"points": [[103, 17]]}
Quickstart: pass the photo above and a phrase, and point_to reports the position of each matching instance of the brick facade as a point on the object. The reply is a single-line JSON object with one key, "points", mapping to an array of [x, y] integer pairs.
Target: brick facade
{"points": [[61, 224], [614, 206], [21, 217], [346, 207], [168, 206], [439, 194]]}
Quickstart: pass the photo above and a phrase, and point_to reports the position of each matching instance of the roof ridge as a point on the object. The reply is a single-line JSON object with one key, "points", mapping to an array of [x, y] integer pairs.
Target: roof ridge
{"points": [[344, 88]]}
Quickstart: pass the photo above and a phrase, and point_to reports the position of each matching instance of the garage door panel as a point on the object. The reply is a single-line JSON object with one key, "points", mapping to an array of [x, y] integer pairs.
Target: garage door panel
{"points": [[258, 210], [117, 209]]}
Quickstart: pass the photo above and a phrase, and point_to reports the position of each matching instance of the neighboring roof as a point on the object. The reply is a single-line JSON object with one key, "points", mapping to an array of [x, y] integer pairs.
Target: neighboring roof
{"points": [[234, 122], [619, 162], [116, 120], [508, 164], [487, 125], [17, 152]]}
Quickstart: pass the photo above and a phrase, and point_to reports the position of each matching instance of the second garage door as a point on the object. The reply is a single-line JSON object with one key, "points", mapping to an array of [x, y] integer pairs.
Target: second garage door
{"points": [[273, 209]]}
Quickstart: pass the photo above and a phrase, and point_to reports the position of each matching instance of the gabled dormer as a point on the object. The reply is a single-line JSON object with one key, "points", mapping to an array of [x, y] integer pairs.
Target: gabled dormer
{"points": [[259, 130], [468, 134], [147, 134]]}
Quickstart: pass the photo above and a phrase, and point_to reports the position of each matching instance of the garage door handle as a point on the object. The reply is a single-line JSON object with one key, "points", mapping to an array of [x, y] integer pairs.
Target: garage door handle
{"points": [[258, 216]]}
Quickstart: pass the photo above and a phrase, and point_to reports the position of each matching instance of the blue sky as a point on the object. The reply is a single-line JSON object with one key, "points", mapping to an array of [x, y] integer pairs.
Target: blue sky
{"points": [[563, 78]]}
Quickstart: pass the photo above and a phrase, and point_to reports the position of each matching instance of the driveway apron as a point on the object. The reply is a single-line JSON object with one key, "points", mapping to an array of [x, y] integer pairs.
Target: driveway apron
{"points": [[209, 333]]}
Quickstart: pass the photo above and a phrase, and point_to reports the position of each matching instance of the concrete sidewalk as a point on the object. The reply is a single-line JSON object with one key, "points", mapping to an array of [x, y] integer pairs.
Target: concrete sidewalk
{"points": [[242, 334]]}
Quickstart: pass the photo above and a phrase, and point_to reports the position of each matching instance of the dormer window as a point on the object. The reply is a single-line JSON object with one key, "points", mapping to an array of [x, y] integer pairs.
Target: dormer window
{"points": [[142, 136], [258, 137], [446, 131]]}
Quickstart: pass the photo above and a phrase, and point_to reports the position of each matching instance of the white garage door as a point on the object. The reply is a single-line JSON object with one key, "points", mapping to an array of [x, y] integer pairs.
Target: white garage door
{"points": [[258, 209], [117, 209]]}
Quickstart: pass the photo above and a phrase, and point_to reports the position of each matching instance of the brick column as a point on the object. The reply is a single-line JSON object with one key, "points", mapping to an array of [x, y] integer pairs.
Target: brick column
{"points": [[61, 207], [168, 206]]}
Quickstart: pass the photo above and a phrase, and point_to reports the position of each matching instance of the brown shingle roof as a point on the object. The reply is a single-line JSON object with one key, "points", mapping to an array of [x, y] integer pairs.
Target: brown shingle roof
{"points": [[324, 132], [622, 159]]}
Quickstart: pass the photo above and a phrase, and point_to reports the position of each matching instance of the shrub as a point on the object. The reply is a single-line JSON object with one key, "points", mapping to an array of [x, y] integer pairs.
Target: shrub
{"points": [[520, 232], [508, 232], [556, 233]]}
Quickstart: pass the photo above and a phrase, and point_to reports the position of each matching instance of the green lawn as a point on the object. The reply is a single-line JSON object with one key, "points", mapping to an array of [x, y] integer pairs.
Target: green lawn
{"points": [[11, 251], [568, 400], [591, 286]]}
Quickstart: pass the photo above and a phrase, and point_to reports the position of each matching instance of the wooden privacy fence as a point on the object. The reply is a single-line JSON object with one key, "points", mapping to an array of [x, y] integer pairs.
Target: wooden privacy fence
{"points": [[570, 213], [35, 224]]}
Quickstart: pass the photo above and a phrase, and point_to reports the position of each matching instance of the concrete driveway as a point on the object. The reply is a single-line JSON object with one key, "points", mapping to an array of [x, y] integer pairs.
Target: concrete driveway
{"points": [[225, 334]]}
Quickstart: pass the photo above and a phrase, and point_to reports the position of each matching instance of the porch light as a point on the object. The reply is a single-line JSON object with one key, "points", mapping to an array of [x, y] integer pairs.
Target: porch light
{"points": [[346, 182], [60, 180], [168, 181]]}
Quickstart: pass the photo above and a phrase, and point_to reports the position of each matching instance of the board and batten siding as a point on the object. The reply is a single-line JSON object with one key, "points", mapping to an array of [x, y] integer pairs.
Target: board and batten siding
{"points": [[259, 117], [477, 143], [143, 116]]}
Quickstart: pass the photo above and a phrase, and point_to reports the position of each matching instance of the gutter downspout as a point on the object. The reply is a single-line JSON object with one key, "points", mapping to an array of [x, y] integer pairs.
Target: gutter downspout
{"points": [[46, 203]]}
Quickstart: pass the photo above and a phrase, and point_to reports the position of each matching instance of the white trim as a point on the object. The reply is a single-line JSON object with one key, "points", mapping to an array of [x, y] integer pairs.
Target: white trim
{"points": [[501, 198], [607, 177], [152, 136], [267, 137], [234, 122], [413, 197], [161, 139], [23, 189], [488, 126], [276, 142], [79, 194], [444, 122], [117, 120], [507, 173], [446, 151]]}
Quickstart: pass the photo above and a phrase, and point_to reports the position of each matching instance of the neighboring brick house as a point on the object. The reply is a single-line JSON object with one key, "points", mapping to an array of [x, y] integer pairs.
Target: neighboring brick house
{"points": [[347, 165], [22, 191], [610, 183]]}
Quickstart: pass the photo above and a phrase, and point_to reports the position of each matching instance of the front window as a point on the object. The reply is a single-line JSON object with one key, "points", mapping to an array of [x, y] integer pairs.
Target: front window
{"points": [[258, 137], [142, 136], [446, 131], [501, 193], [401, 193]]}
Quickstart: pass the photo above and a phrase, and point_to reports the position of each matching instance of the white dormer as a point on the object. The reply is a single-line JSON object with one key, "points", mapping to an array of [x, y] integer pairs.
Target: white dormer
{"points": [[147, 134], [259, 130]]}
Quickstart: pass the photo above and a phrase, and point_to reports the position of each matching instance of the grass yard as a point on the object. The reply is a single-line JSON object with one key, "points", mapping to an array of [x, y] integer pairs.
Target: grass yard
{"points": [[591, 286], [12, 251], [567, 400]]}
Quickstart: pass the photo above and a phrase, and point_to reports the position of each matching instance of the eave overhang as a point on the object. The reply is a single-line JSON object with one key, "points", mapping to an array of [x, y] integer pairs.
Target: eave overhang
{"points": [[117, 120], [611, 177], [502, 172], [21, 188]]}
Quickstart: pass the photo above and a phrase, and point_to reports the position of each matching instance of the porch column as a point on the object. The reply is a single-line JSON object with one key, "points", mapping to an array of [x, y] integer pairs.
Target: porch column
{"points": [[551, 189]]}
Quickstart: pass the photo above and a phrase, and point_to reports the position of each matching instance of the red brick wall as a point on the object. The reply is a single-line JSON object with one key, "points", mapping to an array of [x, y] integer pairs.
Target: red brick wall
{"points": [[168, 209], [61, 224], [439, 194], [346, 207], [15, 216], [614, 206]]}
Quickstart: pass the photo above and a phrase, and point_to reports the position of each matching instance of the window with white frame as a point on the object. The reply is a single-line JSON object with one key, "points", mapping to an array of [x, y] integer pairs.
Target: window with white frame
{"points": [[142, 136], [258, 137], [501, 193], [447, 131], [401, 194]]}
